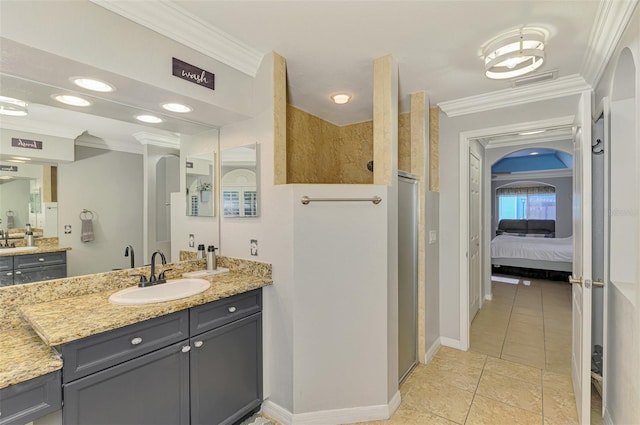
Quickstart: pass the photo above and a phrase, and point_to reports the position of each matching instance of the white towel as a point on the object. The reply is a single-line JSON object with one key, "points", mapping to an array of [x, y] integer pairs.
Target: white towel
{"points": [[87, 230]]}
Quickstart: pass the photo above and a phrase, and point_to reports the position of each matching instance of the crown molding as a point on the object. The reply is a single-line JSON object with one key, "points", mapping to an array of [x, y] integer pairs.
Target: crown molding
{"points": [[112, 146], [172, 21], [564, 86], [611, 20], [40, 128], [146, 138], [532, 175]]}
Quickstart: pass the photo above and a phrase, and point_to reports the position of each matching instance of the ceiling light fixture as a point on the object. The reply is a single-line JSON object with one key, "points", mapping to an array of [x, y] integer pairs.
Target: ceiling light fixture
{"points": [[17, 161], [13, 107], [177, 107], [515, 53], [92, 84], [22, 158], [68, 99], [534, 153], [341, 98], [151, 119]]}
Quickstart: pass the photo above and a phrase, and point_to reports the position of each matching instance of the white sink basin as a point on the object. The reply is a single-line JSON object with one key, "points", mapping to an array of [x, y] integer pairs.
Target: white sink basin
{"points": [[172, 290], [17, 249]]}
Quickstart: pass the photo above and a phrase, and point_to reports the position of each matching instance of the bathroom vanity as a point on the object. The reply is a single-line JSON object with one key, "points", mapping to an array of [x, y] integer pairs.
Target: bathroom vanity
{"points": [[196, 360], [41, 263]]}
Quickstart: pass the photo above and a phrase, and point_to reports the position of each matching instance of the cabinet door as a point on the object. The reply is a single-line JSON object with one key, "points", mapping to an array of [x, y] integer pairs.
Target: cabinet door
{"points": [[226, 372], [151, 389], [6, 271]]}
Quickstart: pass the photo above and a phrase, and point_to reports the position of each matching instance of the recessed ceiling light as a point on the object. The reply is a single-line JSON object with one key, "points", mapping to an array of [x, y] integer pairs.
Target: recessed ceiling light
{"points": [[151, 119], [177, 107], [515, 53], [92, 84], [22, 158], [68, 99], [341, 98], [534, 153], [529, 133], [12, 106], [17, 161]]}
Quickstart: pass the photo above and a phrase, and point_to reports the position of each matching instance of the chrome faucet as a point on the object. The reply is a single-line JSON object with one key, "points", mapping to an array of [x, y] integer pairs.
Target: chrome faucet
{"points": [[128, 249]]}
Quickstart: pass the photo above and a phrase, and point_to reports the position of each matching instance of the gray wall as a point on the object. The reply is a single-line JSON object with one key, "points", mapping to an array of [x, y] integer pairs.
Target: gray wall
{"points": [[15, 197], [432, 275], [564, 215], [597, 235], [109, 183]]}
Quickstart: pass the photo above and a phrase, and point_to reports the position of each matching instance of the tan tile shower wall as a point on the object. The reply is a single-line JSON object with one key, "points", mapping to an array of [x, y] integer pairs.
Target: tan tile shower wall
{"points": [[434, 149], [404, 142], [279, 119], [321, 152]]}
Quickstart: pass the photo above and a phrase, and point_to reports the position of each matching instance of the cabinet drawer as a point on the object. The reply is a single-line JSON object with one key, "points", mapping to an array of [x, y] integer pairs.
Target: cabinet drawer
{"points": [[210, 316], [95, 353], [39, 274], [39, 260], [29, 400], [6, 264]]}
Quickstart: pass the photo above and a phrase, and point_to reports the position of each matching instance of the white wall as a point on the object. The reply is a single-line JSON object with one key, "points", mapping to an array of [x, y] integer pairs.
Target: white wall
{"points": [[14, 196], [109, 183], [622, 365], [432, 272], [450, 129]]}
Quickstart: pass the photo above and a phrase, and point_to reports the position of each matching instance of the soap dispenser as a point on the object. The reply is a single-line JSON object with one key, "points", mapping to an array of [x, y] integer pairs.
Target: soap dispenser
{"points": [[212, 261]]}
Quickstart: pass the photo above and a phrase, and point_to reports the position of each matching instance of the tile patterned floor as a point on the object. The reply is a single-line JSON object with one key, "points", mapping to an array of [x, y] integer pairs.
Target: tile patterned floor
{"points": [[517, 372]]}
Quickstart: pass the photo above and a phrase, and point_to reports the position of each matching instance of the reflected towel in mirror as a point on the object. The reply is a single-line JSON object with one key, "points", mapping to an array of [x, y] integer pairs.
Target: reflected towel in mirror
{"points": [[86, 230]]}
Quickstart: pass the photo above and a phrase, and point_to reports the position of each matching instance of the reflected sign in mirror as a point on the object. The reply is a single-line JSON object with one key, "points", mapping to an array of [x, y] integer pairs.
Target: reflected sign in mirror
{"points": [[200, 185], [239, 173]]}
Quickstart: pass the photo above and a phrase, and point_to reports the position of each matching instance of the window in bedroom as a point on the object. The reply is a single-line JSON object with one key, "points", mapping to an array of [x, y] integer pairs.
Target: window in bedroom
{"points": [[526, 202]]}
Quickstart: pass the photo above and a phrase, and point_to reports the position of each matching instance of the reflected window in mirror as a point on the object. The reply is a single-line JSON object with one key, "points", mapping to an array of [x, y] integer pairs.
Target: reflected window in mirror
{"points": [[200, 185], [240, 182]]}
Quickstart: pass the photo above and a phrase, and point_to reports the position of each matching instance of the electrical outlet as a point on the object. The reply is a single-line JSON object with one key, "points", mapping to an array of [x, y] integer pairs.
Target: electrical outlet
{"points": [[192, 241], [254, 247], [67, 229]]}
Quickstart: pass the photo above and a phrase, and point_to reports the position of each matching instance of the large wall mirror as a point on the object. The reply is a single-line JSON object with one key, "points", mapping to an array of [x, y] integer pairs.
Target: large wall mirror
{"points": [[121, 169], [239, 182], [200, 185]]}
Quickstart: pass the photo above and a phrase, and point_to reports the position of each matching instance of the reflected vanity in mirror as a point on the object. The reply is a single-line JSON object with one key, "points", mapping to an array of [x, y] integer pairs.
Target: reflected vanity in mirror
{"points": [[239, 181], [200, 185]]}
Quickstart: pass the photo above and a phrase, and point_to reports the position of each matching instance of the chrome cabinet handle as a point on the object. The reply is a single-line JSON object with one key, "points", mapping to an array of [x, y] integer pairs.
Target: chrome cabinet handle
{"points": [[41, 259], [18, 272], [232, 309], [136, 340], [10, 274], [198, 344], [186, 348]]}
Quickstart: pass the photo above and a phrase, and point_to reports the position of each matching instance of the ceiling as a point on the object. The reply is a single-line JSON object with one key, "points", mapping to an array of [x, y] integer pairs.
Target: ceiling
{"points": [[330, 46], [533, 160]]}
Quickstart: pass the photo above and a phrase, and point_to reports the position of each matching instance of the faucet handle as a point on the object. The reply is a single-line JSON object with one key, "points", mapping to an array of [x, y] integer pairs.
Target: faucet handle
{"points": [[161, 277], [143, 278]]}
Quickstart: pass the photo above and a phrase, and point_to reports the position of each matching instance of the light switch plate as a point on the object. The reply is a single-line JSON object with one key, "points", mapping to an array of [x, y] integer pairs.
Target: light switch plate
{"points": [[432, 236]]}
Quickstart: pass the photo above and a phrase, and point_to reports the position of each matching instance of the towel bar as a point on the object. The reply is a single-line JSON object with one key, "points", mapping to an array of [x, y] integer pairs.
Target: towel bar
{"points": [[305, 200]]}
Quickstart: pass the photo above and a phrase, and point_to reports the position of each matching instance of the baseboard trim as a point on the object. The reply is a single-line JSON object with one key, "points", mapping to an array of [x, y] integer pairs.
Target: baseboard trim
{"points": [[332, 417], [488, 297], [450, 342], [432, 351], [277, 412], [606, 419]]}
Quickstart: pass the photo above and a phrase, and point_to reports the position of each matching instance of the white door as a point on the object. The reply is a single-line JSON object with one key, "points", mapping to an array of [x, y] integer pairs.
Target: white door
{"points": [[581, 279], [474, 235]]}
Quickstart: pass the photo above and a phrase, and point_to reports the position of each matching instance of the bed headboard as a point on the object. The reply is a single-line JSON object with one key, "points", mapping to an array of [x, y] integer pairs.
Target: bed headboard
{"points": [[539, 227]]}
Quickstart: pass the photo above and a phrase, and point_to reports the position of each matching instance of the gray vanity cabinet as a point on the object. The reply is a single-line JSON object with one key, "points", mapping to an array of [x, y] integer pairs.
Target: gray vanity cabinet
{"points": [[198, 366], [226, 372], [6, 271], [38, 267], [151, 389], [29, 400]]}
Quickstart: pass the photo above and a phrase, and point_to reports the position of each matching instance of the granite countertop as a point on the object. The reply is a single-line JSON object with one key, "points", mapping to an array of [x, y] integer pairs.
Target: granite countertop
{"points": [[38, 250], [25, 357], [68, 319]]}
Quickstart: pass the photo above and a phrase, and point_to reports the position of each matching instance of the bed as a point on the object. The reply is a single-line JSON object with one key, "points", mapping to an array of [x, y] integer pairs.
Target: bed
{"points": [[529, 246]]}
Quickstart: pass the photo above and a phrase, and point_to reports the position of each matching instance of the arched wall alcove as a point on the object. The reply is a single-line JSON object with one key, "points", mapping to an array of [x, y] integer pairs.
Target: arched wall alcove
{"points": [[623, 184]]}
